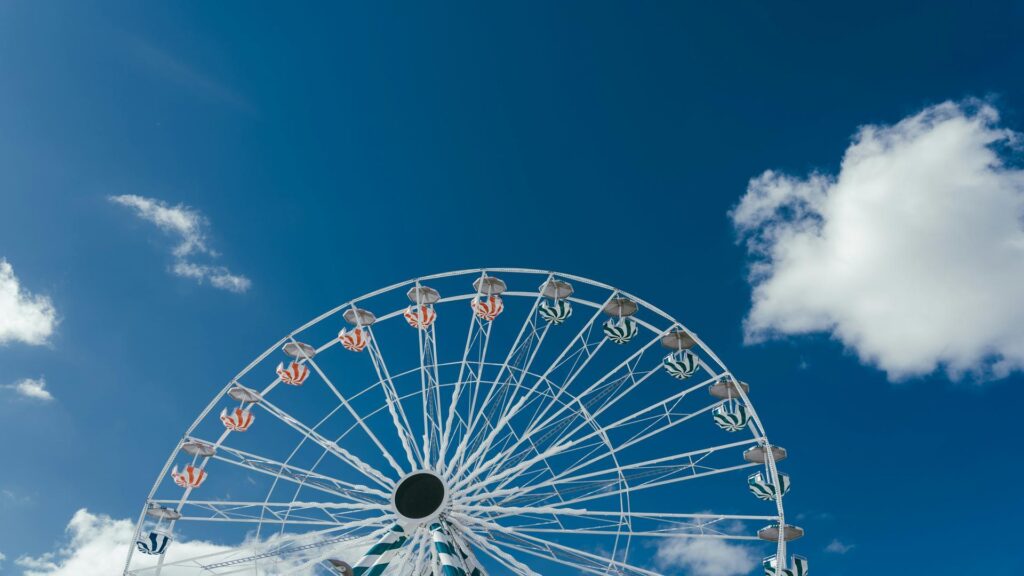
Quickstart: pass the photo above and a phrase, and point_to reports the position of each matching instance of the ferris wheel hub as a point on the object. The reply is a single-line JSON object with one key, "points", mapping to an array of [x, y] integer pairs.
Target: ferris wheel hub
{"points": [[420, 497]]}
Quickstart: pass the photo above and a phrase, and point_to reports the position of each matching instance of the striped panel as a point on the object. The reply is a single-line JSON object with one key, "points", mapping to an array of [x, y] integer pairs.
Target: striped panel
{"points": [[622, 331], [555, 313], [353, 340], [764, 489], [798, 566], [294, 375], [446, 555], [489, 308], [379, 556], [154, 543], [420, 316], [731, 419], [237, 420], [681, 365]]}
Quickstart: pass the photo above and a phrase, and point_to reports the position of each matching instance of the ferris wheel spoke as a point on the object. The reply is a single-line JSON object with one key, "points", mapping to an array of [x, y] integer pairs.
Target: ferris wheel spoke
{"points": [[661, 467], [394, 403], [333, 513], [553, 551], [344, 455], [579, 347], [501, 556], [520, 355], [356, 493], [567, 440], [358, 418]]}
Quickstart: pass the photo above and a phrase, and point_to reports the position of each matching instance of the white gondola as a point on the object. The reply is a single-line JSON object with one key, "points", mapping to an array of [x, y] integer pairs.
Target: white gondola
{"points": [[489, 286], [797, 566], [727, 388], [682, 364], [162, 512], [765, 490], [359, 317], [731, 416], [197, 448], [759, 454], [678, 340], [299, 350], [153, 543], [245, 395], [770, 533]]}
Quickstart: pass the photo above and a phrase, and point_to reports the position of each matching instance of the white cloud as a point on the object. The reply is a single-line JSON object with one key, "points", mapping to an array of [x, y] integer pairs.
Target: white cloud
{"points": [[705, 557], [97, 545], [189, 226], [219, 276], [913, 256], [837, 547], [33, 388], [24, 317]]}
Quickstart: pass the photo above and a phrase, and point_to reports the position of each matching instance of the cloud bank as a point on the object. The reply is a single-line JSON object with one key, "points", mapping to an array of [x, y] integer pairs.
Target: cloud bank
{"points": [[97, 545], [24, 317], [189, 227], [707, 557], [912, 255]]}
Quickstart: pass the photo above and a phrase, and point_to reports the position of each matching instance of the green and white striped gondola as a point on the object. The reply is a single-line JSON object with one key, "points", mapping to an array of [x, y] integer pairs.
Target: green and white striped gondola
{"points": [[681, 365], [621, 331], [556, 312], [380, 555], [731, 416], [447, 559], [765, 490], [797, 566]]}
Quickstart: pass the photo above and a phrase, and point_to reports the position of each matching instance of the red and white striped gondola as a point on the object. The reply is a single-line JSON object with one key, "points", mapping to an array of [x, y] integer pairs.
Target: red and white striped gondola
{"points": [[237, 420], [354, 340], [420, 316], [488, 308], [294, 374], [189, 477]]}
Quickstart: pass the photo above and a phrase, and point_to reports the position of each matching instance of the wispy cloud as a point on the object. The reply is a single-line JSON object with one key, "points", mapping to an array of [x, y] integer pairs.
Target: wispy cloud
{"points": [[837, 547], [31, 388], [912, 255], [24, 317], [189, 227]]}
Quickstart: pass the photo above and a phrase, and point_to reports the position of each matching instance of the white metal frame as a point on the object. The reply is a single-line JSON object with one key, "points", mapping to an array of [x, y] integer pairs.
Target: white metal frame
{"points": [[528, 454]]}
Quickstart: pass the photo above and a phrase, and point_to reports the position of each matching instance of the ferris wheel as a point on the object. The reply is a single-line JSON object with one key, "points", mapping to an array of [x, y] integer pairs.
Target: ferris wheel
{"points": [[489, 421]]}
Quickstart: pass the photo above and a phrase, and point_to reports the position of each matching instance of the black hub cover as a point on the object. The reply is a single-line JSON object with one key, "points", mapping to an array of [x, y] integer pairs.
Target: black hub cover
{"points": [[419, 495]]}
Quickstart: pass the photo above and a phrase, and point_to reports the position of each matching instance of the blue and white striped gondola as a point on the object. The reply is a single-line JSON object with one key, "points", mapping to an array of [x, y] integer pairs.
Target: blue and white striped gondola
{"points": [[556, 312], [621, 331], [765, 490], [731, 417], [379, 556], [681, 365], [446, 556], [797, 566], [154, 544]]}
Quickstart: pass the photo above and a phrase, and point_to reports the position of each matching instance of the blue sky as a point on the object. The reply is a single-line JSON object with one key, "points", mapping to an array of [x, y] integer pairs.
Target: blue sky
{"points": [[327, 151]]}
